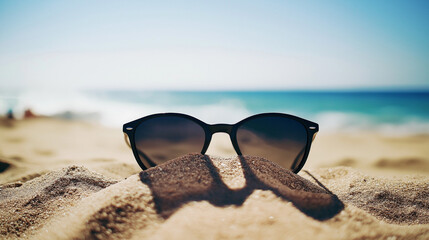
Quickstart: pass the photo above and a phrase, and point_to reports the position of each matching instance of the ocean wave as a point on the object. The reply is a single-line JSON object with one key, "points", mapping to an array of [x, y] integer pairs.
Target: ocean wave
{"points": [[355, 122], [114, 111]]}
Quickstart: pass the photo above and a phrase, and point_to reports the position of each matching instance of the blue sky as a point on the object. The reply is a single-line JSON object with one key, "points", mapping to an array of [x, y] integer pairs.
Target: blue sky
{"points": [[217, 45]]}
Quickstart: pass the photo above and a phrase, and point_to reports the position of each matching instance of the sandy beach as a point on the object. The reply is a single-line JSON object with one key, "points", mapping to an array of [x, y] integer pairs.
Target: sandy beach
{"points": [[328, 101], [64, 179]]}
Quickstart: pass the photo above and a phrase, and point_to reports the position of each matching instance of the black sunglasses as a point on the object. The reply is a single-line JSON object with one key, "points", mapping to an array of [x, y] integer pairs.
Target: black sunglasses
{"points": [[281, 138]]}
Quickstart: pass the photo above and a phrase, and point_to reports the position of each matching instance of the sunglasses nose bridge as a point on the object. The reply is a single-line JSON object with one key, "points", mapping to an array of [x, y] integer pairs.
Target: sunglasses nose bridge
{"points": [[215, 128]]}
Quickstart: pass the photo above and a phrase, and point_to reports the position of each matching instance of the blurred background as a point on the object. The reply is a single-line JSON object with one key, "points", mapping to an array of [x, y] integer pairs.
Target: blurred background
{"points": [[354, 67]]}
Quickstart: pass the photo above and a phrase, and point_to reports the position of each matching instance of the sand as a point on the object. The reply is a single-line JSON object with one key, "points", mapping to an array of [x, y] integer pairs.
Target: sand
{"points": [[32, 147], [84, 184]]}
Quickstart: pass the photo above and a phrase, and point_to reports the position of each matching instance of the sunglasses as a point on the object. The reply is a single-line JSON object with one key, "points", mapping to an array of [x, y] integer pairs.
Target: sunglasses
{"points": [[281, 138]]}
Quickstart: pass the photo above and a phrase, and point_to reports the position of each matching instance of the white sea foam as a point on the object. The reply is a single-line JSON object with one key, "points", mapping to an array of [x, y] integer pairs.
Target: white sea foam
{"points": [[404, 129], [113, 113], [355, 122], [339, 121]]}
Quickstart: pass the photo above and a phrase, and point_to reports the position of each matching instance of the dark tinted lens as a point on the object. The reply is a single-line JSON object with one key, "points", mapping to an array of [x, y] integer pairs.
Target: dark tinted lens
{"points": [[279, 139], [166, 137]]}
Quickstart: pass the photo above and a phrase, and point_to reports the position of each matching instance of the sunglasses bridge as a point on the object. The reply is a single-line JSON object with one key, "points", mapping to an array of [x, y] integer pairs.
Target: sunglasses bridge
{"points": [[225, 128]]}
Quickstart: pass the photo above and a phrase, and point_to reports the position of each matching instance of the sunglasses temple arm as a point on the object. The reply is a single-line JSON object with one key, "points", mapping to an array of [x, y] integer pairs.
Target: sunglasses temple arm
{"points": [[314, 136], [146, 158], [127, 140], [298, 157], [300, 153]]}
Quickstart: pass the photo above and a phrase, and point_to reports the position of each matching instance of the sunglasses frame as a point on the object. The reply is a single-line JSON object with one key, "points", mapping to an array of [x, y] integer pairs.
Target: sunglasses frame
{"points": [[231, 129]]}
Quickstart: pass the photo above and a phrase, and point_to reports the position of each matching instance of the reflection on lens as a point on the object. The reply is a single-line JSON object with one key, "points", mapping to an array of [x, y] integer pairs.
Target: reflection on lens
{"points": [[166, 137], [278, 139]]}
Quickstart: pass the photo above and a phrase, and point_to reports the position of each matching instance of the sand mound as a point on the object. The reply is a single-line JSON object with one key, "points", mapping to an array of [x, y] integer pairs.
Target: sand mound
{"points": [[27, 205], [196, 178], [395, 200], [116, 212], [201, 197]]}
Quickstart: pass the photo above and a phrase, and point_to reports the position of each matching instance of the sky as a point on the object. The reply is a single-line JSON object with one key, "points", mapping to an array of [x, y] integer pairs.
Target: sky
{"points": [[216, 45]]}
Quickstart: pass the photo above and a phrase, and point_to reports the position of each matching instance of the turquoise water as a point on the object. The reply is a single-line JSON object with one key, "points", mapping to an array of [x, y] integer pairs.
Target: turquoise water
{"points": [[391, 107], [406, 112]]}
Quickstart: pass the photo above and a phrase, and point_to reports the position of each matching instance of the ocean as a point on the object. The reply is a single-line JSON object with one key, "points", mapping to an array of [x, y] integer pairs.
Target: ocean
{"points": [[388, 112]]}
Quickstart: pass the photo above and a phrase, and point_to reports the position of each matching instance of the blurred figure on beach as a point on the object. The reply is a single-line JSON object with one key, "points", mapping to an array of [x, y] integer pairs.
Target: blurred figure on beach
{"points": [[29, 114], [9, 114]]}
